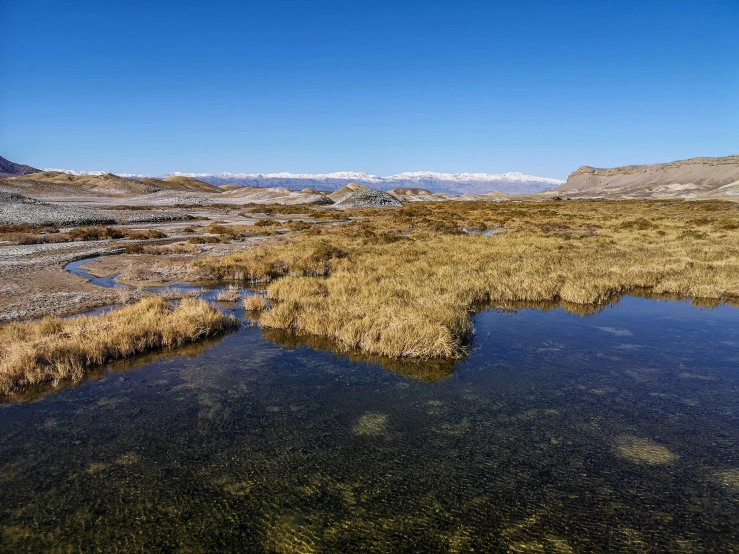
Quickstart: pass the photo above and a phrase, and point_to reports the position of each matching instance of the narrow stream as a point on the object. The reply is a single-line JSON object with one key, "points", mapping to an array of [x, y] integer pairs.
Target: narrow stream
{"points": [[210, 290], [106, 282]]}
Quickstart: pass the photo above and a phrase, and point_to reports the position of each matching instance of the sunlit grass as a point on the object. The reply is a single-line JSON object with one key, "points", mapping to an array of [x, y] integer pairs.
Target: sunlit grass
{"points": [[54, 349], [402, 283]]}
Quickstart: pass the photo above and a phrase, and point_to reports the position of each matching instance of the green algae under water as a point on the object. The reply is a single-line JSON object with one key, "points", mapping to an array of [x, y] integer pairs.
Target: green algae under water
{"points": [[559, 433]]}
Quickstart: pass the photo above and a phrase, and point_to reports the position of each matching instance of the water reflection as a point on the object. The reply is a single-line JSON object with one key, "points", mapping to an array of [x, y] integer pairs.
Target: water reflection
{"points": [[430, 371], [41, 390], [554, 435]]}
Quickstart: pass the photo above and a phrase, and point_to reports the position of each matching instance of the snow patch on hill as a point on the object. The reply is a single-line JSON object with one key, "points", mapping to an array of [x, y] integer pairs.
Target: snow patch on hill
{"points": [[450, 183]]}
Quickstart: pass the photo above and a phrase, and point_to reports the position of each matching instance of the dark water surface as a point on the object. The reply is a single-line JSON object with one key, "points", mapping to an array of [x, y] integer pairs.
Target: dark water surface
{"points": [[615, 432]]}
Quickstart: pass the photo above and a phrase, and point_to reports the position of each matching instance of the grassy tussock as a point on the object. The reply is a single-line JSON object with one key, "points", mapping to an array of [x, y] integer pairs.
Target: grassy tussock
{"points": [[255, 303], [264, 264], [54, 349], [367, 285], [231, 294], [28, 234]]}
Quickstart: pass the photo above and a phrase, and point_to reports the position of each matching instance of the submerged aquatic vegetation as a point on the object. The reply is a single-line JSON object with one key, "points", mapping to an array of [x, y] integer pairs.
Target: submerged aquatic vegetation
{"points": [[402, 283], [54, 348]]}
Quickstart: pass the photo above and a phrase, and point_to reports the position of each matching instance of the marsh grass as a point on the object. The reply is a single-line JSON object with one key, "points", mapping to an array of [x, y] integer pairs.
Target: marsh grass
{"points": [[297, 209], [402, 283], [230, 294], [28, 234], [255, 303], [178, 293], [228, 233], [53, 349]]}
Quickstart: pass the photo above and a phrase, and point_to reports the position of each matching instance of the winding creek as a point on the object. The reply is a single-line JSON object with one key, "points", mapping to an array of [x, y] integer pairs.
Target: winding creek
{"points": [[617, 431]]}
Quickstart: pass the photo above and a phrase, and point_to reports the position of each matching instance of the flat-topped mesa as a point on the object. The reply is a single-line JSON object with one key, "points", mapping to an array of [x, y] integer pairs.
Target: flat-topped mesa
{"points": [[709, 178]]}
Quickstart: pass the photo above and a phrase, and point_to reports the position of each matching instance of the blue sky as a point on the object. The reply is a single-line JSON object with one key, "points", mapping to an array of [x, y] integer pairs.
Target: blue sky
{"points": [[540, 87]]}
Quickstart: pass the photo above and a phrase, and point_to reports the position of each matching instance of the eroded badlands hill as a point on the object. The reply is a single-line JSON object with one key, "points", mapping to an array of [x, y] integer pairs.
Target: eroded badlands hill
{"points": [[696, 178]]}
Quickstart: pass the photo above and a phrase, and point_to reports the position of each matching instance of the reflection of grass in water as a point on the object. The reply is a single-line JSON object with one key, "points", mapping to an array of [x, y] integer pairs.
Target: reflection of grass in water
{"points": [[53, 349], [514, 306], [642, 450], [430, 371], [41, 390]]}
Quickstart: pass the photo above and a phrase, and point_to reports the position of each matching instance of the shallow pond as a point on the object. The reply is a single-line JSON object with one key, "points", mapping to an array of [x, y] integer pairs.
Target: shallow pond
{"points": [[616, 432]]}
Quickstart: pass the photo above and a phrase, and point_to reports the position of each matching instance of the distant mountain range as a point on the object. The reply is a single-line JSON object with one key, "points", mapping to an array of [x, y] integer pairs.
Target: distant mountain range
{"points": [[695, 178], [10, 168], [449, 183]]}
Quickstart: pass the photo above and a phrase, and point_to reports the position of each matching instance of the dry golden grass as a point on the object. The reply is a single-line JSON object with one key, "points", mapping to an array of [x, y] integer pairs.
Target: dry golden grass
{"points": [[54, 349], [401, 283], [255, 303], [28, 234], [231, 294]]}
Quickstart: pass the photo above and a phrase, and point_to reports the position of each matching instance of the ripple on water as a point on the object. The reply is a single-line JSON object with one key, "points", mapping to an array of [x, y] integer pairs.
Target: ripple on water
{"points": [[263, 442]]}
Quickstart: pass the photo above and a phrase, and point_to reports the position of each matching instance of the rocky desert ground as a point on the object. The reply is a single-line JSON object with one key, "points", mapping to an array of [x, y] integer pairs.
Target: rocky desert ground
{"points": [[49, 221]]}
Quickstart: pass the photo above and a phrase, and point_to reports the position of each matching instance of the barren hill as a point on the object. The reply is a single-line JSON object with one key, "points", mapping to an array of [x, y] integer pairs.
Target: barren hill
{"points": [[693, 178], [108, 183], [186, 183], [10, 168], [400, 192]]}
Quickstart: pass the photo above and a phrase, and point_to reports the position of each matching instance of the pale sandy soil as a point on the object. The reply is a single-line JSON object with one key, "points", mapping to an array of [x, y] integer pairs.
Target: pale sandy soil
{"points": [[33, 282]]}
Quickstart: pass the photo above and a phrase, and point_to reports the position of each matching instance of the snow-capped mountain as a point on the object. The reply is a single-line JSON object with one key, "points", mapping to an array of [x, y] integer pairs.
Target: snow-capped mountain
{"points": [[80, 173], [450, 183]]}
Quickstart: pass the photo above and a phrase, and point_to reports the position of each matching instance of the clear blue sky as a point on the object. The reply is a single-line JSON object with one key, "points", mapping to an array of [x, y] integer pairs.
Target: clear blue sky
{"points": [[534, 86]]}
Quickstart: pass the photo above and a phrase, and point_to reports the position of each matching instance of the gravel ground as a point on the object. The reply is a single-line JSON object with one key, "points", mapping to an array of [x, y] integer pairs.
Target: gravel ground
{"points": [[17, 210], [33, 282], [369, 198]]}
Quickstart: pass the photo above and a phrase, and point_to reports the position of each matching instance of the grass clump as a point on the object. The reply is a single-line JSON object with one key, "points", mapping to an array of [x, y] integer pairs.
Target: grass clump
{"points": [[298, 225], [231, 294], [53, 349], [255, 303], [145, 235], [94, 233], [25, 234]]}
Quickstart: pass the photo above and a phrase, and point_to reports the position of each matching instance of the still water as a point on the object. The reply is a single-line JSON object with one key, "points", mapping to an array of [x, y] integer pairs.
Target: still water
{"points": [[613, 432]]}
